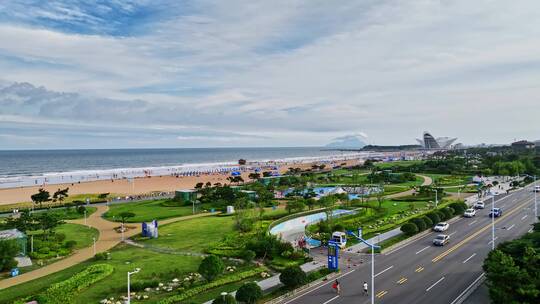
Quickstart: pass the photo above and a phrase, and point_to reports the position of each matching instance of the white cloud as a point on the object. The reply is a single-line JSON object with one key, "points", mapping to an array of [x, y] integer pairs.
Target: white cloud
{"points": [[299, 72]]}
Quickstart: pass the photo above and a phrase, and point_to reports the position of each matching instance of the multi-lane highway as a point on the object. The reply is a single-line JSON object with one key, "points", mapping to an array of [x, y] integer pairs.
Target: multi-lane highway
{"points": [[419, 272]]}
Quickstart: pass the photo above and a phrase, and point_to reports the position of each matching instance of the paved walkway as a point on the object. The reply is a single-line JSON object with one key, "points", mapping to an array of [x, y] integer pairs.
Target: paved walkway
{"points": [[108, 238]]}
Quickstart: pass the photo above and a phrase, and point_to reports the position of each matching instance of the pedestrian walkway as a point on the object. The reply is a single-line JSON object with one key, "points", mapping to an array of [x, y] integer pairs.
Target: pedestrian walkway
{"points": [[108, 238]]}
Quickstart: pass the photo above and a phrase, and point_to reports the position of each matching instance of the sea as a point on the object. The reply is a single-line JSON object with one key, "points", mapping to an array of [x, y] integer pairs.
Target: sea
{"points": [[39, 167]]}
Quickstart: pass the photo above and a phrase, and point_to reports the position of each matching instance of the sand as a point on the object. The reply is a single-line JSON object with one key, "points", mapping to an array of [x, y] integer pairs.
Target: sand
{"points": [[141, 185]]}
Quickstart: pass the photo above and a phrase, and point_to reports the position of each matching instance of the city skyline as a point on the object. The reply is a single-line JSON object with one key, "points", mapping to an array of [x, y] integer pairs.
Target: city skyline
{"points": [[213, 74]]}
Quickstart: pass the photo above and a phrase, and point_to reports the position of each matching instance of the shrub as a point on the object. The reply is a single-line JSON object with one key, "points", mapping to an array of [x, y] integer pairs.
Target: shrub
{"points": [[141, 285], [293, 277], [420, 224], [448, 213], [8, 250], [249, 293], [441, 215], [228, 299], [409, 228], [459, 207], [100, 256], [60, 237], [81, 209], [428, 221], [44, 250], [248, 255], [211, 267], [70, 244], [66, 291], [434, 217]]}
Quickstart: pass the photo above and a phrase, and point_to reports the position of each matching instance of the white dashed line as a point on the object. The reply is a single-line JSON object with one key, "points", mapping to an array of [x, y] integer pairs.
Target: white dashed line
{"points": [[492, 241], [422, 249], [452, 233], [429, 288], [513, 225], [473, 222], [472, 256], [384, 270], [332, 299], [525, 216]]}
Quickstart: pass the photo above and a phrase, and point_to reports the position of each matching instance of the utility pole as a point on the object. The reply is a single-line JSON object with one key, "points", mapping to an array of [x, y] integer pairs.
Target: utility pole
{"points": [[493, 223]]}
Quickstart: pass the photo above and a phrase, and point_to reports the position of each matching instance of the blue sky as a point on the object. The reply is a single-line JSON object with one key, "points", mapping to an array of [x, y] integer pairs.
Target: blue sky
{"points": [[85, 74]]}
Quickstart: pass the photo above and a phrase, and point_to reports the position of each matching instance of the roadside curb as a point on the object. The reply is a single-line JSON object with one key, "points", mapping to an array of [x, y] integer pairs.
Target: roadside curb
{"points": [[469, 290]]}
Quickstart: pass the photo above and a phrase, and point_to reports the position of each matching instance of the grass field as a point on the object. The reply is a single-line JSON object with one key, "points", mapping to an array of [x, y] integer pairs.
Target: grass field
{"points": [[401, 163], [446, 180], [72, 214], [193, 235], [81, 234], [146, 211]]}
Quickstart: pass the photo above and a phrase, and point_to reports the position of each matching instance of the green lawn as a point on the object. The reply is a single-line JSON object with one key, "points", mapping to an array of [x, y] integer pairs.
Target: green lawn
{"points": [[401, 163], [447, 180], [123, 259], [193, 235], [81, 234], [72, 214], [146, 211]]}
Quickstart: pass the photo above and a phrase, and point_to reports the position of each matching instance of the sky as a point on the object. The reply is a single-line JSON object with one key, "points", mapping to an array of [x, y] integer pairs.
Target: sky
{"points": [[151, 73]]}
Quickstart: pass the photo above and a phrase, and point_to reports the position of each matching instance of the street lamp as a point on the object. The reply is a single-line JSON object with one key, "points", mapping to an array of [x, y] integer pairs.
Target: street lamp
{"points": [[534, 190], [94, 238], [128, 291], [493, 222], [436, 197], [373, 247]]}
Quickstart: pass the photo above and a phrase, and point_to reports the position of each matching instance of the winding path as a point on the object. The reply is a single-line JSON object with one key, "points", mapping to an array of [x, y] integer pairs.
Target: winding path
{"points": [[108, 238]]}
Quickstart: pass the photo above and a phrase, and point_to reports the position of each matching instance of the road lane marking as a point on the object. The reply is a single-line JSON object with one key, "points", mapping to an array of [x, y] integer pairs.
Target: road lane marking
{"points": [[470, 237], [530, 230], [511, 227], [384, 271], [525, 216], [402, 280], [472, 256], [452, 233], [322, 285], [419, 269], [429, 288], [381, 294], [492, 240], [467, 289], [332, 299], [473, 222], [422, 249]]}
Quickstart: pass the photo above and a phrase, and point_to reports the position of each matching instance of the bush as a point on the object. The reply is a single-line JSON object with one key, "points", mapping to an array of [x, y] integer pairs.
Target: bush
{"points": [[409, 229], [70, 244], [81, 209], [60, 237], [100, 256], [228, 299], [420, 224], [293, 277], [249, 293], [435, 218], [248, 255], [211, 267], [459, 207], [141, 285], [448, 213], [8, 250], [441, 215], [66, 291], [428, 221]]}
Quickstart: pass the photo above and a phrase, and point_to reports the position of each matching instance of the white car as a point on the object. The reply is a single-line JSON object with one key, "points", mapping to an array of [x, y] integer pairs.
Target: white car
{"points": [[479, 205], [469, 213], [440, 227]]}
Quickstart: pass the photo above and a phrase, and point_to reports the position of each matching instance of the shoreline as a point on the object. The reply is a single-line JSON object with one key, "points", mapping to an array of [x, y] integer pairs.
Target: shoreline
{"points": [[148, 184]]}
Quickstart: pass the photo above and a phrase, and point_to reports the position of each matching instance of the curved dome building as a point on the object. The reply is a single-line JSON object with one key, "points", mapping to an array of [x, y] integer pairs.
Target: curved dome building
{"points": [[428, 141]]}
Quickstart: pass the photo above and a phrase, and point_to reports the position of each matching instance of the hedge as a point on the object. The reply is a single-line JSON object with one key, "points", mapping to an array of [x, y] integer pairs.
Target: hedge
{"points": [[428, 221], [219, 282], [420, 223], [435, 218], [66, 291], [409, 228]]}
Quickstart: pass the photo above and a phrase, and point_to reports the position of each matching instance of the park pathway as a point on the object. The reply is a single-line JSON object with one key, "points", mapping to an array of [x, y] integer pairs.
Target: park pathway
{"points": [[108, 238]]}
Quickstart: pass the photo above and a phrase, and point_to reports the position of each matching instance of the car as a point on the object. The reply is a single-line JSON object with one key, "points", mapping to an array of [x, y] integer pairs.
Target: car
{"points": [[536, 189], [495, 212], [469, 213], [441, 240], [440, 227], [479, 205]]}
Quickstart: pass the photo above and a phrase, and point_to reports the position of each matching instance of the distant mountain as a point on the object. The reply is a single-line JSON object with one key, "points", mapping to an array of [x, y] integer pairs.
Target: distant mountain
{"points": [[347, 142]]}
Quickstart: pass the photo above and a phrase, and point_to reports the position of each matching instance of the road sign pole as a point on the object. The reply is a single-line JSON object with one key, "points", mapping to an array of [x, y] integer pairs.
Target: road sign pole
{"points": [[372, 274], [493, 223]]}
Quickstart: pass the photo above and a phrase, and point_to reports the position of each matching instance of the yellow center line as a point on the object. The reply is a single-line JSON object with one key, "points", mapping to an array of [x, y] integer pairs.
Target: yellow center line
{"points": [[401, 281], [419, 269], [470, 237], [381, 294]]}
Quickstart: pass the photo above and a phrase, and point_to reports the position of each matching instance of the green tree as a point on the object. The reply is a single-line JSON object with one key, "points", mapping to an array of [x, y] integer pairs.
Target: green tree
{"points": [[25, 222], [48, 222], [295, 205], [211, 267], [292, 277], [249, 293], [8, 250], [125, 215], [409, 228], [41, 197], [60, 195]]}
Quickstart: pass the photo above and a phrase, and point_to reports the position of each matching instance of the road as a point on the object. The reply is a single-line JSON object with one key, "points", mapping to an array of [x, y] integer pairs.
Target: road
{"points": [[419, 272]]}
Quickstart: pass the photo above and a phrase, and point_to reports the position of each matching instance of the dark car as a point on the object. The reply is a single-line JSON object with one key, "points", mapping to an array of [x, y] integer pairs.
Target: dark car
{"points": [[495, 212]]}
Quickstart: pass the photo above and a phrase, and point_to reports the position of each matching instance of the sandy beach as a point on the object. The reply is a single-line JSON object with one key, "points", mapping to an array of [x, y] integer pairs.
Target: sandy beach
{"points": [[142, 185]]}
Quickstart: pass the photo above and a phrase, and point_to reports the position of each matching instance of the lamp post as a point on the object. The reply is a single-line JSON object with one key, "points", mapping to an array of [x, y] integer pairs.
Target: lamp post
{"points": [[373, 246], [94, 239], [128, 291], [85, 218]]}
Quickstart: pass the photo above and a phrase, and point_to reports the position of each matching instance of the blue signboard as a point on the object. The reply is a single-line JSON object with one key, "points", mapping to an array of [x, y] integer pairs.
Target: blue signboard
{"points": [[333, 256]]}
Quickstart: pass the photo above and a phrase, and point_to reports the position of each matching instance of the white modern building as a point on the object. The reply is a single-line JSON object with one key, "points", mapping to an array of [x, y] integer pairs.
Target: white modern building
{"points": [[428, 141]]}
